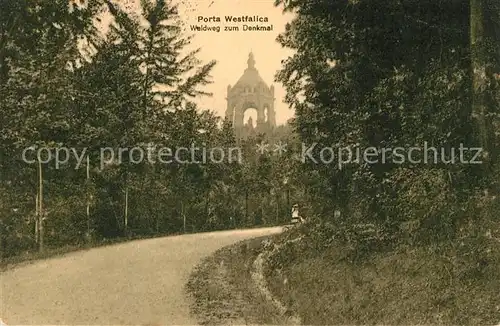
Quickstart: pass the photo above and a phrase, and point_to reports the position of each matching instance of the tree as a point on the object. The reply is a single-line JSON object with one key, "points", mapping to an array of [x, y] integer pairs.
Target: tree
{"points": [[361, 78]]}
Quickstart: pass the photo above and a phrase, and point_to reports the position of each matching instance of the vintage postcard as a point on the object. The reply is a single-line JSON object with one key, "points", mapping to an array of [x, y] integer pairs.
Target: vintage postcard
{"points": [[249, 162]]}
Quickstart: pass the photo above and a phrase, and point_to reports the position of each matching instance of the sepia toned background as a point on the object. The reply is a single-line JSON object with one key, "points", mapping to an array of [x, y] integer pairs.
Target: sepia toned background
{"points": [[231, 49]]}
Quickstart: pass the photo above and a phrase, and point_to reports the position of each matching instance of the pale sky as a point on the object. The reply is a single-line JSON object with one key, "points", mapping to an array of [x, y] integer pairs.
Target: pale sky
{"points": [[231, 48]]}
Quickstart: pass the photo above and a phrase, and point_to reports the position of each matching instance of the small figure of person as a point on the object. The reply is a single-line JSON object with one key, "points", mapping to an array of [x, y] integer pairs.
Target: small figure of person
{"points": [[296, 218]]}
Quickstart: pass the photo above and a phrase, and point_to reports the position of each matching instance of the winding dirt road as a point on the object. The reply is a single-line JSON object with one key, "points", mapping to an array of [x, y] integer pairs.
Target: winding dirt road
{"points": [[135, 283]]}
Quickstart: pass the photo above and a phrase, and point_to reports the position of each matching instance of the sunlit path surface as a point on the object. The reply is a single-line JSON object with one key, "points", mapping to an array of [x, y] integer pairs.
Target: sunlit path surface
{"points": [[140, 282]]}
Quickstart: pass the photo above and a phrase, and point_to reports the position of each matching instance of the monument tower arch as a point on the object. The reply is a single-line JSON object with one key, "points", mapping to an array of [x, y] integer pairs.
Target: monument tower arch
{"points": [[250, 91]]}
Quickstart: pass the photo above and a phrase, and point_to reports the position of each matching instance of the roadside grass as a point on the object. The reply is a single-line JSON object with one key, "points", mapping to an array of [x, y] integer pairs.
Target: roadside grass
{"points": [[30, 257], [401, 287], [224, 292]]}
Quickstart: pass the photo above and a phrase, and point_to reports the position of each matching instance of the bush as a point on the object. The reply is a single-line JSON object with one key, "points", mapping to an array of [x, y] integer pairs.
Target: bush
{"points": [[424, 207]]}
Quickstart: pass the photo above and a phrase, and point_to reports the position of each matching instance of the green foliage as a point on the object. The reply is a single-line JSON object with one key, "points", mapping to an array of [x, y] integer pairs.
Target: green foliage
{"points": [[130, 88], [387, 75]]}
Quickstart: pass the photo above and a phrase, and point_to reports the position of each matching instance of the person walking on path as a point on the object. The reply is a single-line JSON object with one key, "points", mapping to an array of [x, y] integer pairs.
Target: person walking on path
{"points": [[296, 218]]}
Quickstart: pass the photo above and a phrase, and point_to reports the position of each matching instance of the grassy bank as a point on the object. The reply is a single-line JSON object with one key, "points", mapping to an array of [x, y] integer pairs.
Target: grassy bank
{"points": [[404, 286], [50, 252], [224, 292], [33, 256]]}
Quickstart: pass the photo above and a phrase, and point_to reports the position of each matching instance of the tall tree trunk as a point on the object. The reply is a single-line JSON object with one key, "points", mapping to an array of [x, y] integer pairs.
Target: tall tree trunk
{"points": [[89, 239], [183, 217], [37, 217], [277, 208], [2, 246], [479, 83], [207, 218], [246, 205], [41, 213], [126, 209]]}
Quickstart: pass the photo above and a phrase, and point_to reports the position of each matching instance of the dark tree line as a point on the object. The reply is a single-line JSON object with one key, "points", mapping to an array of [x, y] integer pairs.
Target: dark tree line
{"points": [[393, 74], [64, 85], [364, 73]]}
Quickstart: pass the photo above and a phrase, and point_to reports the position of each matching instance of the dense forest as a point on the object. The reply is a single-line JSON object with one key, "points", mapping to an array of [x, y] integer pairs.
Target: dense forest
{"points": [[417, 242], [364, 74], [67, 88], [398, 74]]}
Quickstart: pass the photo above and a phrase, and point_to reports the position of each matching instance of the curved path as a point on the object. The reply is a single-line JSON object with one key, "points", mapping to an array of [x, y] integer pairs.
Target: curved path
{"points": [[135, 283]]}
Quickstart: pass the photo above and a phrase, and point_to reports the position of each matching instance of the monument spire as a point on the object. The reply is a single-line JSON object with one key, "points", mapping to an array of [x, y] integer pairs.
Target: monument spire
{"points": [[251, 92], [251, 61]]}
